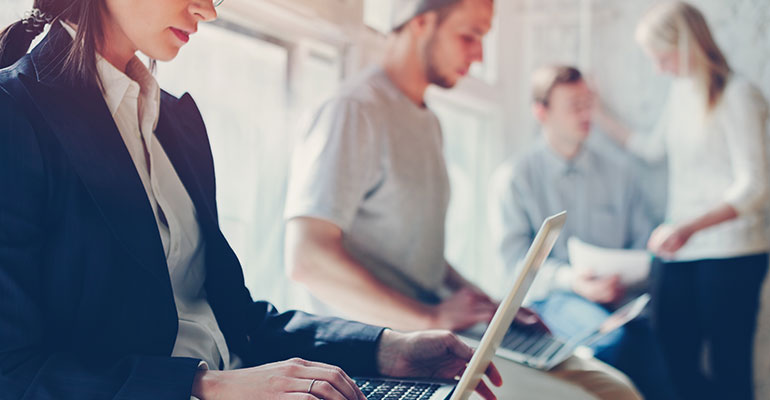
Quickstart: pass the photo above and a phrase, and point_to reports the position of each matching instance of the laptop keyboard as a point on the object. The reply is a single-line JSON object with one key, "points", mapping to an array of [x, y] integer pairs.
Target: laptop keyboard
{"points": [[531, 342], [395, 390]]}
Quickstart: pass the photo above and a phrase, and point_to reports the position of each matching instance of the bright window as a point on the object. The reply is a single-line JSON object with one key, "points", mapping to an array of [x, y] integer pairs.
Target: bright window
{"points": [[468, 137], [242, 83], [12, 11]]}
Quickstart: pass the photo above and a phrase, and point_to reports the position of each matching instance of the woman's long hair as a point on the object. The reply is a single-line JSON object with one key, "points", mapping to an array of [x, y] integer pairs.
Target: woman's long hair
{"points": [[677, 25], [80, 62]]}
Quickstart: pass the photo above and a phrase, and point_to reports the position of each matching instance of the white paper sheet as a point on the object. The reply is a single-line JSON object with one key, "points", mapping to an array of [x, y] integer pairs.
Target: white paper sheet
{"points": [[633, 266]]}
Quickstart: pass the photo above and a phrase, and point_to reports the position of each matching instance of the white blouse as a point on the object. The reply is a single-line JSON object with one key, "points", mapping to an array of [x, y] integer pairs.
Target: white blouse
{"points": [[714, 157], [133, 99]]}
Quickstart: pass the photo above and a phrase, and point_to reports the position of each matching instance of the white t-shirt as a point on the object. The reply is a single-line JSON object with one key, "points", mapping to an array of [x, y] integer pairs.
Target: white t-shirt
{"points": [[714, 157], [371, 162]]}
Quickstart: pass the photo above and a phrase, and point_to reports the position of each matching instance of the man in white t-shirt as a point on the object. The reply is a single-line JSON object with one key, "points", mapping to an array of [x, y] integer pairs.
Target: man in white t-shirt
{"points": [[369, 189]]}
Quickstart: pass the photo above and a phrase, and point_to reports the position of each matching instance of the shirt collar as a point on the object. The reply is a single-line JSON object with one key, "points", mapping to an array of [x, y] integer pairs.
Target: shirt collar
{"points": [[135, 82], [559, 166]]}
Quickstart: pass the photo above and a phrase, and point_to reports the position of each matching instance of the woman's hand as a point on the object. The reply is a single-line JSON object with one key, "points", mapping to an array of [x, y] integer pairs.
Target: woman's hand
{"points": [[666, 240], [293, 379], [430, 354]]}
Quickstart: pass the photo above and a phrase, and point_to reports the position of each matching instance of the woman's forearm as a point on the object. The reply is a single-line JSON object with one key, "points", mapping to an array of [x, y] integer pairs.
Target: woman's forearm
{"points": [[720, 214]]}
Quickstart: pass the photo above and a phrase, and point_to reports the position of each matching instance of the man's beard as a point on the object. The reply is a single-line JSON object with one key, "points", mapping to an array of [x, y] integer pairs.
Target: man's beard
{"points": [[431, 67]]}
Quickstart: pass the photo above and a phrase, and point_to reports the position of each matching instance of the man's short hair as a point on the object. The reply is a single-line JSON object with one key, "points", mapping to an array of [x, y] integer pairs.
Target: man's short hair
{"points": [[546, 79]]}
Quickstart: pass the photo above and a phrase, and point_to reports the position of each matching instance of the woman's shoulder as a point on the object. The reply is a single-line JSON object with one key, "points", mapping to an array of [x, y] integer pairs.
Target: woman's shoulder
{"points": [[11, 91], [741, 89], [23, 66]]}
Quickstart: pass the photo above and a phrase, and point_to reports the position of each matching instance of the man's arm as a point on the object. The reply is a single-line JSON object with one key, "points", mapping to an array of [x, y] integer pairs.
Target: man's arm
{"points": [[455, 281], [316, 258]]}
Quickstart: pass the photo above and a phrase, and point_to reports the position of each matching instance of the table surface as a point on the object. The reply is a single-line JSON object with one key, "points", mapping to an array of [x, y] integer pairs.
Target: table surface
{"points": [[521, 382]]}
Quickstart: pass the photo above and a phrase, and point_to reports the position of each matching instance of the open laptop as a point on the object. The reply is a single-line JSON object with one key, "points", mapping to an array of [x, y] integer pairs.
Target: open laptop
{"points": [[541, 350], [396, 389]]}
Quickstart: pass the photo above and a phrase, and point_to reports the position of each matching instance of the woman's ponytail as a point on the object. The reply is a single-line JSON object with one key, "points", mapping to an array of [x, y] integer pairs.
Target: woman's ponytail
{"points": [[16, 38]]}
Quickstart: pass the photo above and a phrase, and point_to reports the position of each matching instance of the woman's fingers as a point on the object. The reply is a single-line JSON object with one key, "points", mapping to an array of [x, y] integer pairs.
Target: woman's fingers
{"points": [[494, 375], [332, 376], [299, 396], [483, 390], [327, 391]]}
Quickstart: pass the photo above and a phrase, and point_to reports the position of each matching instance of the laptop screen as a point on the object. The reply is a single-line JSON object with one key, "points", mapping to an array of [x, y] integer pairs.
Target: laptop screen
{"points": [[538, 252]]}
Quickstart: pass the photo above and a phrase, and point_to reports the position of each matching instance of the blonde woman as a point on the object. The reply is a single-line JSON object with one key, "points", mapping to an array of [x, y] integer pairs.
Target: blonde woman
{"points": [[712, 253]]}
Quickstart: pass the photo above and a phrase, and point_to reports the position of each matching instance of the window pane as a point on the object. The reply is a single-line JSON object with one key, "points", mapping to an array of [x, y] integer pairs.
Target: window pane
{"points": [[241, 83], [12, 11], [468, 138]]}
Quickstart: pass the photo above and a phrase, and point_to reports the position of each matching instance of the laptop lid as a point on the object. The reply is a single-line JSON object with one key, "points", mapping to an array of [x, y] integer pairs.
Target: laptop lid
{"points": [[538, 252], [620, 317]]}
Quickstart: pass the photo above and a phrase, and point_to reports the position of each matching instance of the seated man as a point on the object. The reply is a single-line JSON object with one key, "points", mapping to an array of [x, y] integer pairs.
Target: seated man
{"points": [[606, 208], [369, 188]]}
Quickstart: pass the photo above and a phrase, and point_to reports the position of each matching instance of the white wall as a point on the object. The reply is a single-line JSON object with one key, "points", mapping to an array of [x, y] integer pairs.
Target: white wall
{"points": [[550, 31]]}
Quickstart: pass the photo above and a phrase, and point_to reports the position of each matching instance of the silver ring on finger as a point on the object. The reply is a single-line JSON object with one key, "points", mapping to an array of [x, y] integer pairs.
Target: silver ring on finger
{"points": [[309, 389]]}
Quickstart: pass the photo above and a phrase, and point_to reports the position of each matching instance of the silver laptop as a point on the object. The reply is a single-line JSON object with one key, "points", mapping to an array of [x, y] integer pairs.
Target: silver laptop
{"points": [[541, 350], [394, 389]]}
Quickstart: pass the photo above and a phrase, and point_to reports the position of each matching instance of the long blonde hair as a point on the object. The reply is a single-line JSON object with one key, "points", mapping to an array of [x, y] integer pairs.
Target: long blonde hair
{"points": [[677, 25]]}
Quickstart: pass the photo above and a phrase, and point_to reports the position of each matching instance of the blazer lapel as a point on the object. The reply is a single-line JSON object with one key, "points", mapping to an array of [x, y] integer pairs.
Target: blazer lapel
{"points": [[177, 132], [82, 122]]}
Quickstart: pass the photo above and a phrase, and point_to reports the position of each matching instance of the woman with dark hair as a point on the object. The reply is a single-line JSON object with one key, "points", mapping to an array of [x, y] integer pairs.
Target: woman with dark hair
{"points": [[115, 279]]}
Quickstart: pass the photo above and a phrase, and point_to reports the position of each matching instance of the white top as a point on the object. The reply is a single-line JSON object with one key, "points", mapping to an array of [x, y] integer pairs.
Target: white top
{"points": [[133, 99], [714, 158], [372, 163]]}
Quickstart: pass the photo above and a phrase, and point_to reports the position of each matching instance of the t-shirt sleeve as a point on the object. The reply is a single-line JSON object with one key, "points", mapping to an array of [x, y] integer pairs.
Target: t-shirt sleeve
{"points": [[334, 165]]}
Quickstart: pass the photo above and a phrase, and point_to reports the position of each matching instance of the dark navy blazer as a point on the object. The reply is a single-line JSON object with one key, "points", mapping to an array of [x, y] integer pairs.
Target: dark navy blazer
{"points": [[86, 306]]}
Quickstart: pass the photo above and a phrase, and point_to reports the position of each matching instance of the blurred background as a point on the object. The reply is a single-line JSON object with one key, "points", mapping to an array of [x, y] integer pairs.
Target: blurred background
{"points": [[264, 65]]}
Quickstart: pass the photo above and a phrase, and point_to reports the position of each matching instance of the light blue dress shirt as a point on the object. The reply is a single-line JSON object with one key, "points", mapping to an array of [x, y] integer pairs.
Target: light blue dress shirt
{"points": [[599, 190]]}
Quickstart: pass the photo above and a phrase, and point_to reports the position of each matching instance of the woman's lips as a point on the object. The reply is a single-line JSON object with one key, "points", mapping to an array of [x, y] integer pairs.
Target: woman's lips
{"points": [[182, 35]]}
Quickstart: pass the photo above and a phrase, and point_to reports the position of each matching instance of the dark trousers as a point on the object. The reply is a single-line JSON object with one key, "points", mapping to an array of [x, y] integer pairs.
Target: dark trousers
{"points": [[710, 303]]}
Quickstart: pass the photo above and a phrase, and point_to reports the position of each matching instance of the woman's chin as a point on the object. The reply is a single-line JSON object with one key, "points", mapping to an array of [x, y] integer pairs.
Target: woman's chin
{"points": [[166, 54]]}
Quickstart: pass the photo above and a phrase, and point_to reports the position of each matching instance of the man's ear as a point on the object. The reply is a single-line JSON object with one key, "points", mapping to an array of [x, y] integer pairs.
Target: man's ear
{"points": [[423, 24], [540, 111]]}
